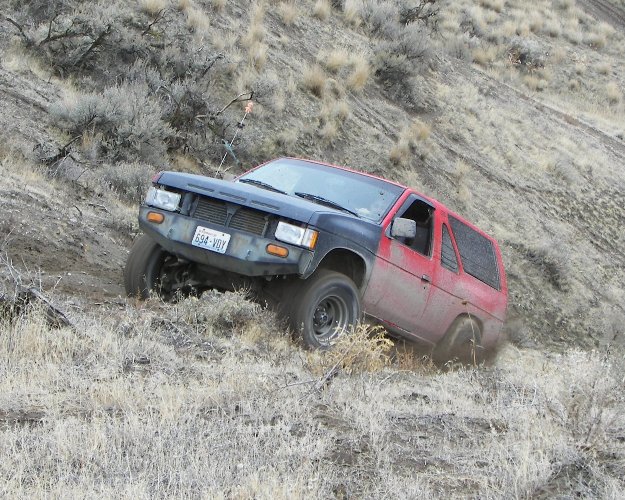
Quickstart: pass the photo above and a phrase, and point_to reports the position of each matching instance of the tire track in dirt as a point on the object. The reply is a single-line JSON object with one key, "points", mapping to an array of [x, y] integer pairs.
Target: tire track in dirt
{"points": [[614, 145], [606, 11]]}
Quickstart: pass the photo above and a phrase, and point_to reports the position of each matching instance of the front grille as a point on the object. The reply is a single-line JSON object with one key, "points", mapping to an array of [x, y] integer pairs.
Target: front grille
{"points": [[212, 211], [248, 220], [243, 219]]}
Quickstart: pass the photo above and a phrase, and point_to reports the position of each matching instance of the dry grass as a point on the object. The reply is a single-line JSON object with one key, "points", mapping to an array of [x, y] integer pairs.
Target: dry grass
{"points": [[153, 7], [412, 141], [604, 68], [218, 5], [334, 60], [202, 395], [484, 56], [197, 20], [614, 93], [288, 12], [552, 27], [255, 30], [351, 12], [495, 5], [322, 9], [257, 53], [314, 80], [360, 72]]}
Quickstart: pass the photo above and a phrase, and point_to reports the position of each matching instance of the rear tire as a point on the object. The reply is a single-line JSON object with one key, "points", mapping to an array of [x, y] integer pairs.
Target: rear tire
{"points": [[463, 342], [326, 305]]}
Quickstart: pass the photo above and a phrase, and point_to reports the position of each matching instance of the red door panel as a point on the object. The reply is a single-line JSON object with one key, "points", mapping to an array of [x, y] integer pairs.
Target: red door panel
{"points": [[397, 292]]}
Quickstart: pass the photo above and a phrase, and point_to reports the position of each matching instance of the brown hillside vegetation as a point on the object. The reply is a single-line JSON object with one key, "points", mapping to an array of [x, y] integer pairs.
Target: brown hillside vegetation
{"points": [[512, 113]]}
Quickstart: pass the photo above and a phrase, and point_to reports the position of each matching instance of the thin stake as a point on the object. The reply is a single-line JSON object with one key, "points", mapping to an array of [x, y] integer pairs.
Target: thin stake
{"points": [[248, 110]]}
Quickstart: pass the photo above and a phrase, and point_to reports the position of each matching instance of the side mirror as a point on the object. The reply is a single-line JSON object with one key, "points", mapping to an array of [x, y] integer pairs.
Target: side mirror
{"points": [[403, 228]]}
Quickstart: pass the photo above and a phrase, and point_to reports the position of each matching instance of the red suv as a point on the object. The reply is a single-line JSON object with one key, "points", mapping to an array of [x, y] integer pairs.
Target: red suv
{"points": [[325, 244]]}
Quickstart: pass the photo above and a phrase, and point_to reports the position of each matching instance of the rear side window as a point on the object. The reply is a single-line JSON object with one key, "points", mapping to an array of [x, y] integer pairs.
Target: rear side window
{"points": [[448, 254], [476, 253]]}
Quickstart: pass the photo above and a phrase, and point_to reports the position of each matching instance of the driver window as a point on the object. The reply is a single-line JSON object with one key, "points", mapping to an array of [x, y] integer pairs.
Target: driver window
{"points": [[422, 213]]}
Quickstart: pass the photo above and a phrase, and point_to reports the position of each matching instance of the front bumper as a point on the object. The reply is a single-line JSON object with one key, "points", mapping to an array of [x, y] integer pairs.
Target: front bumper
{"points": [[246, 253]]}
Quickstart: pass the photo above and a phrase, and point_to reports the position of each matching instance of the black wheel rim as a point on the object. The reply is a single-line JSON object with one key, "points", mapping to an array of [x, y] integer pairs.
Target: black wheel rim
{"points": [[330, 317], [172, 278]]}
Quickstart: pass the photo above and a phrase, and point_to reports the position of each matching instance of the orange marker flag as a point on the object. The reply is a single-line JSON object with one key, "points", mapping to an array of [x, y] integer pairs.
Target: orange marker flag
{"points": [[249, 107]]}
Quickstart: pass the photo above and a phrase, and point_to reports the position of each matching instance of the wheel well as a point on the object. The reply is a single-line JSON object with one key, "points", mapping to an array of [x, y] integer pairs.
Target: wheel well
{"points": [[345, 262], [465, 316]]}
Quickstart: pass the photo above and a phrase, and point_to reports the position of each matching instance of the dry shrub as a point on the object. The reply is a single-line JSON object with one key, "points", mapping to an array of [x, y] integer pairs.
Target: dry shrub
{"points": [[218, 312], [342, 110], [314, 80], [365, 349], [351, 12], [552, 27], [536, 22], [129, 181], [564, 4], [414, 358], [288, 12], [329, 132], [257, 53], [614, 93], [528, 54], [256, 30], [218, 5], [595, 40], [197, 20], [322, 9], [153, 7], [604, 68], [484, 55], [335, 60], [605, 29], [400, 153], [534, 83], [496, 5], [30, 339], [409, 138], [359, 74]]}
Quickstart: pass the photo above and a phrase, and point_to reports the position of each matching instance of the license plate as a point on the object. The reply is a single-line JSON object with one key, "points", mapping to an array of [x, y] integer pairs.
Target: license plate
{"points": [[210, 239]]}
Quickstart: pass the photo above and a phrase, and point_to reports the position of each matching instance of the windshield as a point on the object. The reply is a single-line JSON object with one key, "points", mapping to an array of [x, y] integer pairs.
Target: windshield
{"points": [[365, 196]]}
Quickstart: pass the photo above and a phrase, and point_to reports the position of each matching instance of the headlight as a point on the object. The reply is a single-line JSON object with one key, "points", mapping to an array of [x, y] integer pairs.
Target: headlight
{"points": [[296, 235], [162, 199]]}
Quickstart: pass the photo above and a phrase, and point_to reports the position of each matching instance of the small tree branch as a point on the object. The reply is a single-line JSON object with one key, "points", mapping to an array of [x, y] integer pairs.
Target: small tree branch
{"points": [[158, 17], [96, 43], [240, 98], [27, 39]]}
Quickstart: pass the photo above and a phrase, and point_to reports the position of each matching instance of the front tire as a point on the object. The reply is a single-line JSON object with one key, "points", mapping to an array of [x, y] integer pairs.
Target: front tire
{"points": [[147, 270], [326, 305]]}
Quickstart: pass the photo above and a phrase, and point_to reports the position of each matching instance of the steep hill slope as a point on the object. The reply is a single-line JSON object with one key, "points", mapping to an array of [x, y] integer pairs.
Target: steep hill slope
{"points": [[513, 117]]}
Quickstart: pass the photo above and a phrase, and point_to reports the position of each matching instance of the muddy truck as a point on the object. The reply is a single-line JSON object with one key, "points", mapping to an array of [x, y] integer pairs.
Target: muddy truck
{"points": [[327, 247]]}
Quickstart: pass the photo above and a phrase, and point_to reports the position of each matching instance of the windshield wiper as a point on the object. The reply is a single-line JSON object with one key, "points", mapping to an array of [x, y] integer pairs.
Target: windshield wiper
{"points": [[263, 185], [324, 201]]}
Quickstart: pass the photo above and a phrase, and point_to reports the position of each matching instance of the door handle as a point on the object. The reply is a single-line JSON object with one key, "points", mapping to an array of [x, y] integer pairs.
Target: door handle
{"points": [[425, 277]]}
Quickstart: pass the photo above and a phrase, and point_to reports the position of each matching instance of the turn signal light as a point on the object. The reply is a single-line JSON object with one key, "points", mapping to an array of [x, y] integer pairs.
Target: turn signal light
{"points": [[155, 217], [278, 251]]}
